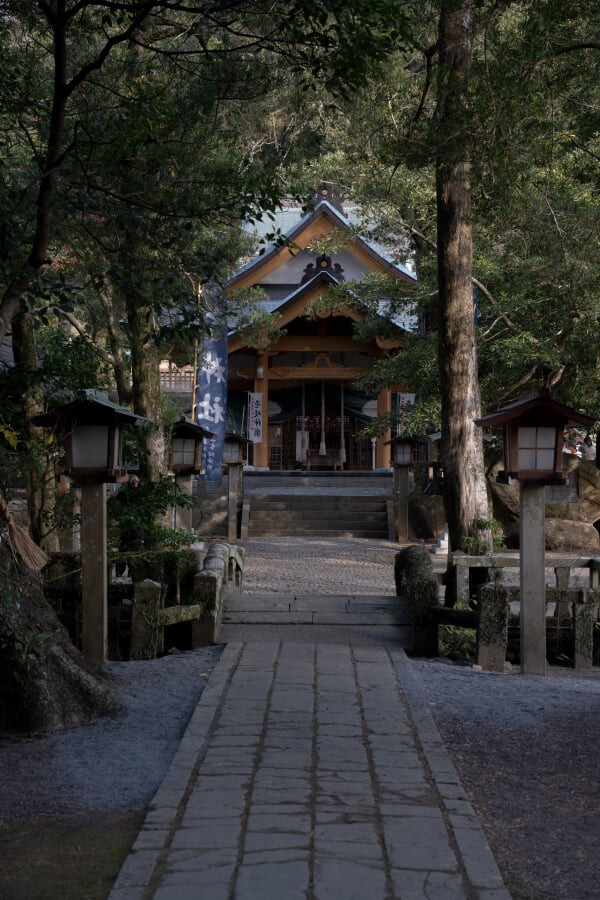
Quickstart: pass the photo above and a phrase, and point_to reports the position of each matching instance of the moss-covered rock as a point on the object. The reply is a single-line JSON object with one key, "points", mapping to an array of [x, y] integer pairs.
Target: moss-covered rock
{"points": [[415, 579]]}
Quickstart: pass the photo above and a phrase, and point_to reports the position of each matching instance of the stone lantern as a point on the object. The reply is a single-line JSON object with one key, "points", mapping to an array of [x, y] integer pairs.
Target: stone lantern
{"points": [[533, 441], [235, 448], [404, 452], [185, 455], [91, 430]]}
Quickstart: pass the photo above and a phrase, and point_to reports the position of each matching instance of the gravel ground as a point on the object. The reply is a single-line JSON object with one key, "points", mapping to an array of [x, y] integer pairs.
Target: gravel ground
{"points": [[525, 747], [320, 566], [526, 750], [114, 764]]}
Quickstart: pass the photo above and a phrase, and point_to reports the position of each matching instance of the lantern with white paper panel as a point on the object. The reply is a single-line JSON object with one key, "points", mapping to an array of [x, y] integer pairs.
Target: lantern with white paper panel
{"points": [[533, 436], [185, 448], [90, 428]]}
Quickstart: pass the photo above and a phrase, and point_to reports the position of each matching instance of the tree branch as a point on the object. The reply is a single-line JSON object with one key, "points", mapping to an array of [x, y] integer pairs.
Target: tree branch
{"points": [[522, 381]]}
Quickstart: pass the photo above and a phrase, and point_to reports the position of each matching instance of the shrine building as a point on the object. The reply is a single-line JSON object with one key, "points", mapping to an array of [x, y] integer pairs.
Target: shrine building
{"points": [[312, 411]]}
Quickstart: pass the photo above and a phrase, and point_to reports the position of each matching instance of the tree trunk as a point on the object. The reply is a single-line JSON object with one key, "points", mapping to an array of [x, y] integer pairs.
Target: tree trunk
{"points": [[121, 368], [462, 448], [40, 479], [47, 683], [145, 376]]}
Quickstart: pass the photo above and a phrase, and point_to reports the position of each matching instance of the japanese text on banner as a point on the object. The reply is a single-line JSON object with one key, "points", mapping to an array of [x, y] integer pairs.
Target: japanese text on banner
{"points": [[255, 419]]}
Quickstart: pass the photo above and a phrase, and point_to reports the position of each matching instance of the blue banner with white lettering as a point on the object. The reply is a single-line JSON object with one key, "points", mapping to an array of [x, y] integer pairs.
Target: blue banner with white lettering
{"points": [[211, 400]]}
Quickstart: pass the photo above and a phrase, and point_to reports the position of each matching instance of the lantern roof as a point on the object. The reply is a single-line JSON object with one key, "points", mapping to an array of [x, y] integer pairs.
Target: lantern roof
{"points": [[403, 438], [184, 427], [94, 406], [234, 436], [536, 403]]}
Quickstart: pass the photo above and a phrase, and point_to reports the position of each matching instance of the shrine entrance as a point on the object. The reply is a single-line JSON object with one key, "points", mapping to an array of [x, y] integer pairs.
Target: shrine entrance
{"points": [[285, 438], [317, 436]]}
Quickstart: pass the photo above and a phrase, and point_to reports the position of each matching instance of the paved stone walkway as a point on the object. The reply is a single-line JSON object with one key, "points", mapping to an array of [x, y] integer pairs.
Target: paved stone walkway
{"points": [[310, 770]]}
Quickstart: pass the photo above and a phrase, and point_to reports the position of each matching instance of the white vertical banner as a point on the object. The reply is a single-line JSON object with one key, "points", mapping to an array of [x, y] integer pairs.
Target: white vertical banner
{"points": [[255, 419], [403, 401]]}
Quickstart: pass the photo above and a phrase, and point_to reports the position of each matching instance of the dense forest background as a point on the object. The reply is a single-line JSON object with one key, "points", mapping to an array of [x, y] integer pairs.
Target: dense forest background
{"points": [[138, 137]]}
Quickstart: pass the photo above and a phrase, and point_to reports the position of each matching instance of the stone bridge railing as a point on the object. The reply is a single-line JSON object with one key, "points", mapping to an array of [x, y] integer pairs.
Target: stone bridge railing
{"points": [[201, 605]]}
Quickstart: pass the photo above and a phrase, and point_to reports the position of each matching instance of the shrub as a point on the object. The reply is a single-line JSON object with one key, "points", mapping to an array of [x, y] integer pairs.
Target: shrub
{"points": [[415, 578]]}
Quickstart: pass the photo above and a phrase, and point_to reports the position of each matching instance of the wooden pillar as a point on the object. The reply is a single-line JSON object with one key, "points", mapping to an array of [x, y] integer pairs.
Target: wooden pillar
{"points": [[261, 386], [383, 453], [401, 501], [234, 481], [183, 514], [533, 580], [94, 573]]}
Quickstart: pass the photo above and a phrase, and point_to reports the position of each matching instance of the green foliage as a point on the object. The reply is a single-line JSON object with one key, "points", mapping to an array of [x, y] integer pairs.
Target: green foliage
{"points": [[533, 139], [414, 578], [259, 328], [459, 644], [487, 536], [139, 531]]}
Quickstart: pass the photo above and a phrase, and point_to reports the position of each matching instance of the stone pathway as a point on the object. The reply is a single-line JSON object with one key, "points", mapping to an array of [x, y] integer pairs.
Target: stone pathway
{"points": [[310, 769], [288, 566]]}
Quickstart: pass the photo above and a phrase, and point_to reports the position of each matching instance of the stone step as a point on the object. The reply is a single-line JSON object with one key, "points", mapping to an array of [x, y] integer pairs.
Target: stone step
{"points": [[317, 532], [288, 599], [278, 609], [309, 501], [333, 515], [379, 479], [314, 617], [317, 516], [315, 478]]}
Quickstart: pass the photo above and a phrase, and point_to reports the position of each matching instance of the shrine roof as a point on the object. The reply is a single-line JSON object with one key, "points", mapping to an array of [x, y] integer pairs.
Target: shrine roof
{"points": [[324, 208], [404, 323]]}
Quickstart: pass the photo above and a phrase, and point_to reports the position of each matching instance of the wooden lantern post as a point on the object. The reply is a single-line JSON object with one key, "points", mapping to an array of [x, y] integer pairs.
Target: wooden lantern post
{"points": [[234, 450], [403, 455], [92, 430], [185, 455], [533, 443]]}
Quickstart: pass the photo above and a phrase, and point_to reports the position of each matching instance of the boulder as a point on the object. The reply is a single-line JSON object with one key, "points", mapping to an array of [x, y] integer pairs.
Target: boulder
{"points": [[568, 536], [569, 526]]}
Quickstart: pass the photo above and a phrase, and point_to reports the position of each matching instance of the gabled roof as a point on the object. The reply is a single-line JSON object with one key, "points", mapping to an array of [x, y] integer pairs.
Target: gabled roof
{"points": [[532, 403], [295, 236], [90, 406], [303, 289], [307, 290]]}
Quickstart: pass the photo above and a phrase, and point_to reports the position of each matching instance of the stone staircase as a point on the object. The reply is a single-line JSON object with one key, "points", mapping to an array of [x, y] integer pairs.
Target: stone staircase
{"points": [[320, 504], [386, 615], [379, 481]]}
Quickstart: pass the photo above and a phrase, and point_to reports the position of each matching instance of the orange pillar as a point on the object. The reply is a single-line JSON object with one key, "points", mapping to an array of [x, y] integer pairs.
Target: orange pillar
{"points": [[261, 386], [383, 454]]}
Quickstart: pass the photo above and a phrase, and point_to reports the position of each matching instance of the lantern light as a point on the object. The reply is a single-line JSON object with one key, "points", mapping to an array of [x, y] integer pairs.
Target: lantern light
{"points": [[533, 428], [234, 448], [185, 449], [91, 427]]}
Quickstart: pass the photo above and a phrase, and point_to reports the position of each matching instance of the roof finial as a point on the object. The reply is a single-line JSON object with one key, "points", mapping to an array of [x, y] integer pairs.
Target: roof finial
{"points": [[326, 191]]}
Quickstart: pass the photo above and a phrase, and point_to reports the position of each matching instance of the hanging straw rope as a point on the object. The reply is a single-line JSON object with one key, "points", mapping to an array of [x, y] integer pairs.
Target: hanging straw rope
{"points": [[20, 542], [322, 446], [342, 439]]}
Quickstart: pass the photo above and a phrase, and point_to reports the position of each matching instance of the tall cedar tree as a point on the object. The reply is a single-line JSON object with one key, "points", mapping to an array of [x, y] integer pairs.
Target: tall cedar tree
{"points": [[462, 449]]}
